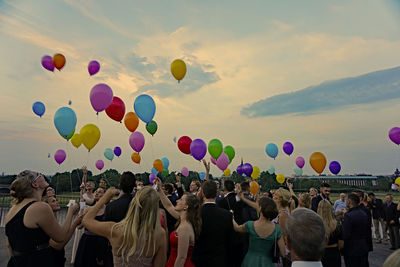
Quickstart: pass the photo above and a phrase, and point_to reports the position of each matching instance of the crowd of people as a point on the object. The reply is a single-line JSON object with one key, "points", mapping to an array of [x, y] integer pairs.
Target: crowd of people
{"points": [[215, 223]]}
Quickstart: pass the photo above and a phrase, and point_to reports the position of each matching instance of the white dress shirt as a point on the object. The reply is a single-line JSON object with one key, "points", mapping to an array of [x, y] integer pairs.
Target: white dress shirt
{"points": [[306, 264]]}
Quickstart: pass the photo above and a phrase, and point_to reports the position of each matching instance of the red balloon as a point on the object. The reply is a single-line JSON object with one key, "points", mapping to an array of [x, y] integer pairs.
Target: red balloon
{"points": [[184, 144], [116, 110]]}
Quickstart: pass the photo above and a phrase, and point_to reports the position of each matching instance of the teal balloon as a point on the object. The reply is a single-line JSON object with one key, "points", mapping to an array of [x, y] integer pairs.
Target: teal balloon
{"points": [[69, 136], [65, 121], [272, 150], [271, 169], [145, 108], [165, 172], [154, 171], [215, 148], [230, 152], [109, 154], [165, 162], [298, 171], [202, 175], [152, 127]]}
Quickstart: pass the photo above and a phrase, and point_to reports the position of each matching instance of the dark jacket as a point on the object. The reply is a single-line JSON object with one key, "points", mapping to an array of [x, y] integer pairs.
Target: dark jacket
{"points": [[315, 201], [376, 208], [391, 213], [368, 212], [355, 233], [248, 213], [117, 209], [229, 203]]}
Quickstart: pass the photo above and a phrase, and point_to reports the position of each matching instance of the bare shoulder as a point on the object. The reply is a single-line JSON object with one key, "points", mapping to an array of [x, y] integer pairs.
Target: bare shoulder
{"points": [[39, 206]]}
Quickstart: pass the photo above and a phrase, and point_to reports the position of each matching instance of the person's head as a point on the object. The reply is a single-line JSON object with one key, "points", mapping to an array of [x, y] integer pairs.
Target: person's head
{"points": [[282, 197], [98, 193], [190, 204], [229, 186], [325, 210], [103, 183], [168, 189], [325, 190], [389, 198], [268, 208], [89, 186], [217, 183], [313, 192], [194, 186], [305, 200], [127, 182], [50, 191], [393, 259], [245, 187], [305, 235], [53, 203], [209, 189], [342, 196], [353, 200], [359, 193], [267, 194], [371, 196], [139, 185], [28, 184]]}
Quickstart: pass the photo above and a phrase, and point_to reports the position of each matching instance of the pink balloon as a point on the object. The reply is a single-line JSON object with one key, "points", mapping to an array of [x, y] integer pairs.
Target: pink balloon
{"points": [[300, 162], [214, 161], [93, 67], [136, 140], [185, 171], [101, 97], [223, 161], [47, 63], [99, 164], [152, 177], [60, 156]]}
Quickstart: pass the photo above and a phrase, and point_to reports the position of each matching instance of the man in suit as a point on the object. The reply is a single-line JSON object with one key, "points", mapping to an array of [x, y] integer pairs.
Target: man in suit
{"points": [[378, 217], [392, 221], [355, 234], [248, 213], [325, 190], [213, 245], [360, 195]]}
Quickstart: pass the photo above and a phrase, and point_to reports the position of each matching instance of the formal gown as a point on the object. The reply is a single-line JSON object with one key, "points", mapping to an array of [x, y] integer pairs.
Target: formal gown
{"points": [[332, 256], [173, 241], [260, 249]]}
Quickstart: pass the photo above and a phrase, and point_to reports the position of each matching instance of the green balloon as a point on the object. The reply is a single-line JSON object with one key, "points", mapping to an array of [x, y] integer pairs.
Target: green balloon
{"points": [[69, 136], [165, 172], [230, 152], [215, 148], [151, 127]]}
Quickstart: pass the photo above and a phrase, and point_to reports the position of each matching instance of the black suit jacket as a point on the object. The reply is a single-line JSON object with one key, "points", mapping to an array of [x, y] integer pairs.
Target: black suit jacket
{"points": [[377, 209], [213, 245], [391, 213], [117, 209], [368, 212], [355, 233], [229, 203]]}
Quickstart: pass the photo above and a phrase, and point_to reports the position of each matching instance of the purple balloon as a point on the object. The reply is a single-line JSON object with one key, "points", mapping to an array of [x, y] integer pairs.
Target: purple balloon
{"points": [[60, 156], [117, 151], [247, 169], [198, 149], [334, 167], [136, 140], [214, 161], [288, 148], [47, 63], [99, 164], [185, 171], [394, 135], [239, 169], [101, 97], [93, 67], [300, 162], [223, 161], [152, 177]]}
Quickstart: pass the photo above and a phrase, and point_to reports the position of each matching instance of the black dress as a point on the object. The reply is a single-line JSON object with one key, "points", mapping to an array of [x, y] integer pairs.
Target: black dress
{"points": [[332, 256], [30, 246], [58, 257]]}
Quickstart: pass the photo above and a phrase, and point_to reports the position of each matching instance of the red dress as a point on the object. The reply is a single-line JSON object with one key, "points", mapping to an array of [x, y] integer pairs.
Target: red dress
{"points": [[173, 241]]}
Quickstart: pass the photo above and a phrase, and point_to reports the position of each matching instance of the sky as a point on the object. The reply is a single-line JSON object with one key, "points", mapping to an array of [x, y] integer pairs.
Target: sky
{"points": [[324, 76]]}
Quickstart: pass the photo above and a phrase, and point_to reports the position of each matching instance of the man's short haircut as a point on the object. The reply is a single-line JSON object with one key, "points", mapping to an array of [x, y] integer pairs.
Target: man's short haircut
{"points": [[354, 199], [306, 234], [229, 185], [209, 189], [324, 185], [358, 192], [371, 194], [245, 186], [169, 188], [127, 182]]}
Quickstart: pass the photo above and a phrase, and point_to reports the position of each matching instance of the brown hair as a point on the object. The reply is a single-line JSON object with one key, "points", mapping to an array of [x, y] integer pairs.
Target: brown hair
{"points": [[268, 208], [193, 213], [21, 187], [305, 199]]}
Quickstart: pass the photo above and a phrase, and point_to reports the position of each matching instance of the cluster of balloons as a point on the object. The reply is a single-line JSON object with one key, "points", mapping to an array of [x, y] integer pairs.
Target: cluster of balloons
{"points": [[272, 150], [161, 166], [57, 61], [318, 163], [178, 69]]}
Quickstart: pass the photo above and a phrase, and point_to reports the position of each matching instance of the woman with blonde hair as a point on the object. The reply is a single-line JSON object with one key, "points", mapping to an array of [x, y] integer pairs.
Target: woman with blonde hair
{"points": [[305, 200], [334, 233], [138, 240]]}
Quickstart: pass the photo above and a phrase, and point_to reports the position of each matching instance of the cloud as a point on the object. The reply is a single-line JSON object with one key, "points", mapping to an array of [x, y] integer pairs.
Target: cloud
{"points": [[368, 88]]}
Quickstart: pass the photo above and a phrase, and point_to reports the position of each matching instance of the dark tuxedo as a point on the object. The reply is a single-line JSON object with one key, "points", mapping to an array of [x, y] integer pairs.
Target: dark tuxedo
{"points": [[117, 209], [229, 203], [376, 206], [315, 201], [368, 212], [391, 214]]}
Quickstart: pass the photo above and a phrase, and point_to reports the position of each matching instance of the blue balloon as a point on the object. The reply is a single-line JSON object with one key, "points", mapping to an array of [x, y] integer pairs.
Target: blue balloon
{"points": [[298, 171], [165, 162], [272, 150], [154, 171], [202, 175], [38, 108], [145, 108], [65, 121], [271, 169], [109, 154]]}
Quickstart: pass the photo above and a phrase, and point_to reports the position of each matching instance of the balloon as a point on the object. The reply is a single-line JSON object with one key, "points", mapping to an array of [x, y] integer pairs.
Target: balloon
{"points": [[280, 178], [318, 162], [38, 108], [154, 171], [247, 169], [48, 155], [223, 161], [109, 154], [151, 127], [117, 151], [272, 150], [394, 135], [198, 149], [165, 172], [174, 139], [152, 177], [136, 140], [239, 169], [185, 171], [101, 96], [58, 61], [254, 187], [60, 156], [76, 140], [145, 108], [397, 181], [47, 63], [70, 102], [215, 148], [65, 121], [116, 110], [214, 161], [334, 167], [300, 162], [69, 136], [230, 151], [298, 171], [202, 175], [184, 144], [288, 148], [90, 135], [178, 69], [158, 165], [165, 162], [131, 121], [99, 164], [93, 67], [135, 157], [227, 172], [271, 169], [255, 173]]}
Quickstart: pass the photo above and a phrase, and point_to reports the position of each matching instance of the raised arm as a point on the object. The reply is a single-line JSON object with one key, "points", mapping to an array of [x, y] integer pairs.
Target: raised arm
{"points": [[61, 245], [252, 204], [290, 186], [165, 201], [207, 166], [180, 189], [238, 228]]}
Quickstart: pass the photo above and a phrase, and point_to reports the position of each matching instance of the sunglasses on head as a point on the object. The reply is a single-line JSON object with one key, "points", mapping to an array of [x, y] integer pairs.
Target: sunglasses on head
{"points": [[38, 175]]}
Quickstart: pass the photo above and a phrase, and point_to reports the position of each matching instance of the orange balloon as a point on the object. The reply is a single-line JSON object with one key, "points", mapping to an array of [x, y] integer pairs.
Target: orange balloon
{"points": [[135, 157], [254, 187], [318, 162], [58, 61], [158, 165], [131, 121]]}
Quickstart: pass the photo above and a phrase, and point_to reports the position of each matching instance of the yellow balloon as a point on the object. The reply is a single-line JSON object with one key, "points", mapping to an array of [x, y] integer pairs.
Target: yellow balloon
{"points": [[280, 178], [255, 173], [178, 69], [397, 181], [227, 172], [90, 135], [76, 140]]}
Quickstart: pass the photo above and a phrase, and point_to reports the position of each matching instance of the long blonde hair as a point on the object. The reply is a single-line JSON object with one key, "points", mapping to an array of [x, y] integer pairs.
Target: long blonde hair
{"points": [[325, 210], [140, 224]]}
